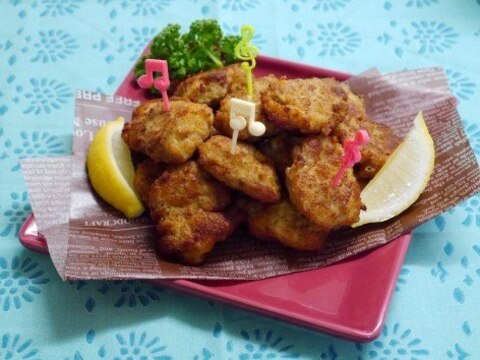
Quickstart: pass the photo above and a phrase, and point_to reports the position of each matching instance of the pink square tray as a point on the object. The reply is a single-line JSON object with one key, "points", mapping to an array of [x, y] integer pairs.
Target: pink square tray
{"points": [[347, 299]]}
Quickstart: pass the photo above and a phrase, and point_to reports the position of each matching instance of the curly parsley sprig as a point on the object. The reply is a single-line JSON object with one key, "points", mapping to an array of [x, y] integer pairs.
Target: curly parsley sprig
{"points": [[202, 48]]}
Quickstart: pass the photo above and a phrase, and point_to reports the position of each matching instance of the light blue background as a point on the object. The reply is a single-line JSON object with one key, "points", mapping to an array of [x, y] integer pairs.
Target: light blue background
{"points": [[48, 48]]}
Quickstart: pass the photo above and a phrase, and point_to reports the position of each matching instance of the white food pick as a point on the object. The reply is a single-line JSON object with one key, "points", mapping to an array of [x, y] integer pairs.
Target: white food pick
{"points": [[242, 111]]}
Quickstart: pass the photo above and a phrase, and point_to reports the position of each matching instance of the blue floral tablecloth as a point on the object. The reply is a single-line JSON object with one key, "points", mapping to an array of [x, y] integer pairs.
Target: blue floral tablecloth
{"points": [[49, 48]]}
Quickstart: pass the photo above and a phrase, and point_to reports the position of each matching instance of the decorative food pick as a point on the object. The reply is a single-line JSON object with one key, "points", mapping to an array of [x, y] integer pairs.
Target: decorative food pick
{"points": [[240, 110], [351, 154], [161, 83], [245, 51]]}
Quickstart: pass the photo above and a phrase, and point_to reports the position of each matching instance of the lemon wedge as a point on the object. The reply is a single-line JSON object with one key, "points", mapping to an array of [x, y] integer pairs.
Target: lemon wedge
{"points": [[110, 169], [402, 178]]}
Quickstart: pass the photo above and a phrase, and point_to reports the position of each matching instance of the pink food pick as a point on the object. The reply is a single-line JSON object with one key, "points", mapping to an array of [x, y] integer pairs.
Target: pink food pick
{"points": [[161, 83], [351, 154]]}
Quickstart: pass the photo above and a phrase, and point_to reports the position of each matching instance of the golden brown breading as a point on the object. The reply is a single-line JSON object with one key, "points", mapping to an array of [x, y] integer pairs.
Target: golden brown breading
{"points": [[145, 174], [188, 205], [222, 116], [279, 150], [374, 154], [282, 222], [185, 185], [212, 86], [311, 106], [382, 140], [189, 235], [171, 137], [248, 170], [315, 163], [355, 106]]}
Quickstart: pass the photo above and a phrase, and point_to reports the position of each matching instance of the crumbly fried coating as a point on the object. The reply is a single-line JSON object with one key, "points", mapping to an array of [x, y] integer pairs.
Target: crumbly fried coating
{"points": [[355, 106], [189, 235], [316, 160], [185, 185], [374, 154], [248, 170], [212, 86], [145, 174], [310, 106], [189, 209], [222, 116], [283, 223], [279, 149], [170, 137]]}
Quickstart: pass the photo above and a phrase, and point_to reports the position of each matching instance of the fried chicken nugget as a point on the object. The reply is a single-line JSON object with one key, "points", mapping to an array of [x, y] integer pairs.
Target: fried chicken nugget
{"points": [[283, 223], [316, 161], [145, 174], [222, 116], [311, 106], [382, 139], [189, 209], [248, 170], [355, 105], [279, 149], [212, 86], [374, 154], [170, 137]]}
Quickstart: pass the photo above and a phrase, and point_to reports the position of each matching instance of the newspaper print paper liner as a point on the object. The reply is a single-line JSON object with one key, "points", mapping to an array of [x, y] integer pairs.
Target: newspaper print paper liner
{"points": [[102, 244]]}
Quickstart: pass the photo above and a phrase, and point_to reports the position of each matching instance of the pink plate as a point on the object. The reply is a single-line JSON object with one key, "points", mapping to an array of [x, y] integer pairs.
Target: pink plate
{"points": [[347, 299]]}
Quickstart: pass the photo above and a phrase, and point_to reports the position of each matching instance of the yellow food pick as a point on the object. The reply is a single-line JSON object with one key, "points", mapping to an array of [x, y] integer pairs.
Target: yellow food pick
{"points": [[248, 52]]}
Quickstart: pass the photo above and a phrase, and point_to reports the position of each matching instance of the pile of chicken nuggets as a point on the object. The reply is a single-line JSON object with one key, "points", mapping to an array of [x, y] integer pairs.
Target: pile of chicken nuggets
{"points": [[198, 192]]}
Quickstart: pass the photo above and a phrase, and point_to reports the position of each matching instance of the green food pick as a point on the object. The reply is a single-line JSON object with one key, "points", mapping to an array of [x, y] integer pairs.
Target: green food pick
{"points": [[246, 51]]}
